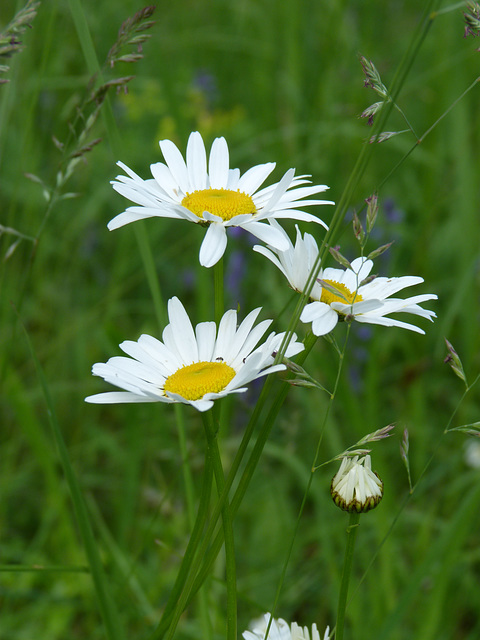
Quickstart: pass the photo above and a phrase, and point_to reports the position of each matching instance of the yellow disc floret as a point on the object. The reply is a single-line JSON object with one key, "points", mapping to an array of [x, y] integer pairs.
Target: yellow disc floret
{"points": [[224, 203], [193, 381], [344, 294]]}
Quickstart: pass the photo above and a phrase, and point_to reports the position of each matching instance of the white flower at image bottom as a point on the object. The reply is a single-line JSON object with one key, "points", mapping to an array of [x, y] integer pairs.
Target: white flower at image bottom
{"points": [[340, 293], [191, 366], [280, 630], [217, 197]]}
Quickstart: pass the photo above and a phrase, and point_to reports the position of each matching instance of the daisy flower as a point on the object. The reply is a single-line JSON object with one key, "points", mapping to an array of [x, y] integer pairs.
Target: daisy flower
{"points": [[341, 293], [191, 366], [280, 630], [217, 197], [356, 487]]}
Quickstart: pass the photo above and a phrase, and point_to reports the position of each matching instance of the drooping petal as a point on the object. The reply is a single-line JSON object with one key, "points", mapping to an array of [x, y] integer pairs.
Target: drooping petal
{"points": [[268, 234], [388, 322], [271, 256], [213, 245], [322, 317], [296, 214]]}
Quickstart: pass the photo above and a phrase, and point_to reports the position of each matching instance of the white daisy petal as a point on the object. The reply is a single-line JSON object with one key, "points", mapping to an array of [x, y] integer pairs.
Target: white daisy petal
{"points": [[280, 189], [165, 180], [295, 214], [323, 324], [250, 343], [271, 256], [254, 177], [158, 352], [233, 179], [118, 397], [218, 164], [314, 310], [244, 330], [388, 322], [196, 162], [226, 331], [125, 218], [182, 331], [213, 245], [205, 333], [266, 233], [279, 629], [176, 164]]}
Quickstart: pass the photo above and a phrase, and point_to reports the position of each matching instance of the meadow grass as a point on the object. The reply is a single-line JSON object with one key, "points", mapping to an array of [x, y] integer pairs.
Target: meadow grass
{"points": [[281, 81]]}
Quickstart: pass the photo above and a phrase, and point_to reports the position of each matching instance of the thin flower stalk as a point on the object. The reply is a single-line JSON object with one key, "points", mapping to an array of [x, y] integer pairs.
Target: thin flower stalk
{"points": [[206, 555], [227, 521], [346, 573]]}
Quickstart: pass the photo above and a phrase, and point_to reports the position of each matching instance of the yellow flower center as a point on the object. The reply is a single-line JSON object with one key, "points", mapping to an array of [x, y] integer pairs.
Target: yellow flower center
{"points": [[193, 381], [224, 203], [346, 297]]}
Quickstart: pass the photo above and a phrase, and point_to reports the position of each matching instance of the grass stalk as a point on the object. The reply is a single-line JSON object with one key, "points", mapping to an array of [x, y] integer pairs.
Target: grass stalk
{"points": [[227, 520], [108, 610], [192, 547], [346, 573], [218, 290]]}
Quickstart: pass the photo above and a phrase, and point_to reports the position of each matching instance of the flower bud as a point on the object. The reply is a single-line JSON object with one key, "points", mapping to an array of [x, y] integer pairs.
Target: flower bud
{"points": [[356, 487]]}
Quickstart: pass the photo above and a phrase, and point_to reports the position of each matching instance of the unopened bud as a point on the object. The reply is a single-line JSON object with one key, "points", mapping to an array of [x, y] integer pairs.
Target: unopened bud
{"points": [[356, 487]]}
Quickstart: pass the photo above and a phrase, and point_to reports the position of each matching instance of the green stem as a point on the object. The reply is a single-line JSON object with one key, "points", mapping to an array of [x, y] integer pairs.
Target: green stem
{"points": [[218, 288], [205, 557], [190, 495], [187, 472], [341, 355], [194, 540], [227, 520], [347, 570]]}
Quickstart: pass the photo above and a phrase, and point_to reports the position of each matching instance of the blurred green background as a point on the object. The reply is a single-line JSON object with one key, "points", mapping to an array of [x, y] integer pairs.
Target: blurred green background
{"points": [[282, 82]]}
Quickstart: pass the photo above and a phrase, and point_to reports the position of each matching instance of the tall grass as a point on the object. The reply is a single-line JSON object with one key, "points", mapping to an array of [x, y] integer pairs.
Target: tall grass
{"points": [[282, 81]]}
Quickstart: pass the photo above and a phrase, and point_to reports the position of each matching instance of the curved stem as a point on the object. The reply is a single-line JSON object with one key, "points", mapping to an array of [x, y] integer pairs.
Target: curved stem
{"points": [[347, 570]]}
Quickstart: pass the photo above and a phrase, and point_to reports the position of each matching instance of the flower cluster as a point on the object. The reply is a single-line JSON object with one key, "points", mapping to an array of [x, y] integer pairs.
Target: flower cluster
{"points": [[200, 364]]}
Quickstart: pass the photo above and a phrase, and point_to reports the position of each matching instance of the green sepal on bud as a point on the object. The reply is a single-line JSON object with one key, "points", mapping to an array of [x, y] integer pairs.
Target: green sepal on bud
{"points": [[355, 506]]}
